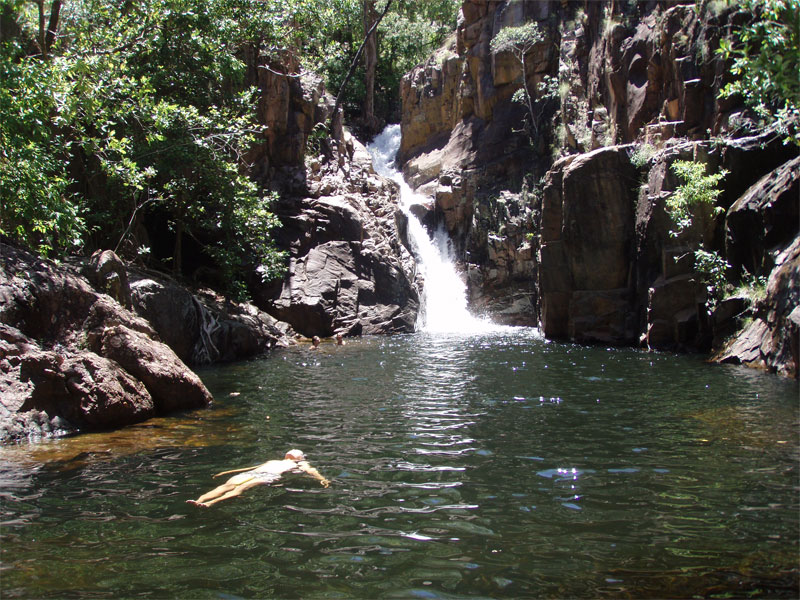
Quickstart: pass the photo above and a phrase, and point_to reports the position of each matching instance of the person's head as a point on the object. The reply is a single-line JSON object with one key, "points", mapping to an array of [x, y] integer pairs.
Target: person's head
{"points": [[315, 340], [339, 339], [295, 455]]}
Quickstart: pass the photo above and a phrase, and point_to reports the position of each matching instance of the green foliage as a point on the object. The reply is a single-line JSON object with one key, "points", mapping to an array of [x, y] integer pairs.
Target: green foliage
{"points": [[698, 189], [753, 287], [332, 31], [712, 267], [137, 106], [36, 206], [766, 63], [135, 111], [642, 154], [406, 38], [520, 41]]}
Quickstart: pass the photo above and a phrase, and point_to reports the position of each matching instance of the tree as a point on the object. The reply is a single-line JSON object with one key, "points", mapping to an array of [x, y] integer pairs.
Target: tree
{"points": [[352, 69], [370, 63], [406, 35], [520, 42], [698, 190], [140, 108], [766, 63]]}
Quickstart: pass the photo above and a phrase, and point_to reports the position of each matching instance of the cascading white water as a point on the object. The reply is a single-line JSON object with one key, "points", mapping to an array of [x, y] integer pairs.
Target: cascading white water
{"points": [[444, 297]]}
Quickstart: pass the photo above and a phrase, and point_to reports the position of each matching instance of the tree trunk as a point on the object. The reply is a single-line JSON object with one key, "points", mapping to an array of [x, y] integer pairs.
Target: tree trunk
{"points": [[352, 69], [52, 26], [48, 29], [42, 38], [370, 63], [177, 253]]}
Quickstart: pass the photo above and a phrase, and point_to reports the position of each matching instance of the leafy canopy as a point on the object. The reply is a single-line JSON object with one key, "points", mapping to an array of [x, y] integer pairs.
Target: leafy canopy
{"points": [[118, 118], [766, 63], [697, 190], [137, 107]]}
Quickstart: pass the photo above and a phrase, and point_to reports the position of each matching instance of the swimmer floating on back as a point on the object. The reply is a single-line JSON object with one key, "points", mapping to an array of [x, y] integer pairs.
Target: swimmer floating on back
{"points": [[265, 474]]}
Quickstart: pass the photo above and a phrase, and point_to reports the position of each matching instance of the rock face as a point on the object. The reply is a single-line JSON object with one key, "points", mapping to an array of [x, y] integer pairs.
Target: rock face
{"points": [[610, 271], [757, 229], [586, 246], [348, 271], [585, 249], [291, 102], [201, 327], [772, 340], [72, 358]]}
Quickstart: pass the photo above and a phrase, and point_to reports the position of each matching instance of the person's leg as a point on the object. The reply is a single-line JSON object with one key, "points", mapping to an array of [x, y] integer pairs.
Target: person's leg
{"points": [[217, 491], [236, 491]]}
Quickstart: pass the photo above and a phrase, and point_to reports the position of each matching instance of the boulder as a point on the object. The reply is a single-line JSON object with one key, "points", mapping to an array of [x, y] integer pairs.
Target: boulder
{"points": [[764, 218], [72, 358], [201, 327], [171, 385], [108, 274], [348, 269], [770, 341], [90, 391], [342, 286]]}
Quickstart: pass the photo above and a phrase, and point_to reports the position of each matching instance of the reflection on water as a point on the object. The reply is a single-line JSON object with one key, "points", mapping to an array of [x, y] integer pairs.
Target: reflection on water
{"points": [[490, 466]]}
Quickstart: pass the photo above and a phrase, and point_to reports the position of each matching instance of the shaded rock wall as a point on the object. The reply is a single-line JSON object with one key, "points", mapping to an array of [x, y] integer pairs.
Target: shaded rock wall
{"points": [[610, 271], [586, 248]]}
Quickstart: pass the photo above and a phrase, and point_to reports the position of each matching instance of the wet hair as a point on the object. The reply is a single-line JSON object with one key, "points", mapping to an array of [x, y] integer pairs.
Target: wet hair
{"points": [[291, 454]]}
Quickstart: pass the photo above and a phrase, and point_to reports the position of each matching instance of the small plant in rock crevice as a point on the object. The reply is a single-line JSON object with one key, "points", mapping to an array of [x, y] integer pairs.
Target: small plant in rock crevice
{"points": [[698, 189]]}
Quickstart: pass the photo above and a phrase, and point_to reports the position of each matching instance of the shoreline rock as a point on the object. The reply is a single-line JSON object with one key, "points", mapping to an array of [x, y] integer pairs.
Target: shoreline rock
{"points": [[75, 359]]}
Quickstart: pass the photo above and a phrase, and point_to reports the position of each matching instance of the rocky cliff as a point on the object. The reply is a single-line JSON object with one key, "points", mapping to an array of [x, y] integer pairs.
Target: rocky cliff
{"points": [[97, 344], [567, 228], [347, 269]]}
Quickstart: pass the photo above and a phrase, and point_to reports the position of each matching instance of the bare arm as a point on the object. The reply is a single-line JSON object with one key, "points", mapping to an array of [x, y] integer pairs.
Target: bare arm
{"points": [[236, 471], [305, 467]]}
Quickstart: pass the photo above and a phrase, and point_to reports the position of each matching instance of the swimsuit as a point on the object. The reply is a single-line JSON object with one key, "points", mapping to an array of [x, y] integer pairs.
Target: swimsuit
{"points": [[263, 475]]}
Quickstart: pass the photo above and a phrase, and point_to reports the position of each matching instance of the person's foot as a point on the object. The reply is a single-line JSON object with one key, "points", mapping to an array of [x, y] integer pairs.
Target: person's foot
{"points": [[196, 503]]}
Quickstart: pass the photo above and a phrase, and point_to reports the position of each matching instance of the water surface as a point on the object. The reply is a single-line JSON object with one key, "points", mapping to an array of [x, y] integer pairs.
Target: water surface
{"points": [[496, 466]]}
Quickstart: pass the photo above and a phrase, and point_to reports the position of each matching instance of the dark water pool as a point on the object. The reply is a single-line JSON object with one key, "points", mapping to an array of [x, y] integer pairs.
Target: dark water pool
{"points": [[487, 466]]}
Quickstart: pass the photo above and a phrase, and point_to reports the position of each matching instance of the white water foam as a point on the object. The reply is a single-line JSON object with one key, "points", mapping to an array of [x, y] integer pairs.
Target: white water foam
{"points": [[444, 296]]}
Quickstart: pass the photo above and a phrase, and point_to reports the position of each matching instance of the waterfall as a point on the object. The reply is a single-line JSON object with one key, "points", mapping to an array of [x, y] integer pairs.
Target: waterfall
{"points": [[444, 296]]}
